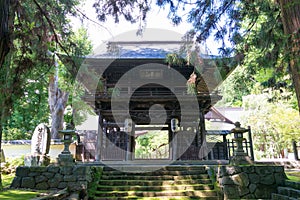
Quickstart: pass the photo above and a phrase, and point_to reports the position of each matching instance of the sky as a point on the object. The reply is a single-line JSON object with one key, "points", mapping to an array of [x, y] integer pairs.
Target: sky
{"points": [[101, 32], [104, 31]]}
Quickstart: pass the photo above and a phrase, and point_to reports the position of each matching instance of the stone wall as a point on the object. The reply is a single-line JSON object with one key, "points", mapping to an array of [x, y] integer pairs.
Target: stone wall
{"points": [[75, 178], [250, 182]]}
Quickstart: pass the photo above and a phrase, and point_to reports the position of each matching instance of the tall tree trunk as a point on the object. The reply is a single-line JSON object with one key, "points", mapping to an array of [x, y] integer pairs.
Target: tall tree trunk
{"points": [[57, 103], [4, 50], [4, 31], [290, 15]]}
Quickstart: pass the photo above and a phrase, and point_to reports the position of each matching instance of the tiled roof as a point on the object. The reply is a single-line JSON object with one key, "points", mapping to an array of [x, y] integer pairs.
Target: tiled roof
{"points": [[144, 49]]}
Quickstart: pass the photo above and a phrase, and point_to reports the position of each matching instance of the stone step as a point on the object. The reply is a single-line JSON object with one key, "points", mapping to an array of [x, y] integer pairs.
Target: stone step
{"points": [[149, 182], [159, 198], [155, 188], [292, 184], [156, 173], [171, 193], [155, 177], [154, 168], [288, 191], [282, 197], [153, 182]]}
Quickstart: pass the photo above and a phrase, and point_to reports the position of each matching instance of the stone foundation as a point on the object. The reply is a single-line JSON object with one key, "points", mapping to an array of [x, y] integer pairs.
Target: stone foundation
{"points": [[250, 182], [75, 178]]}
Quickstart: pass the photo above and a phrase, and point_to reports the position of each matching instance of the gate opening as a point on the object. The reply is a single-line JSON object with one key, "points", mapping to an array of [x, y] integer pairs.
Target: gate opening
{"points": [[152, 144]]}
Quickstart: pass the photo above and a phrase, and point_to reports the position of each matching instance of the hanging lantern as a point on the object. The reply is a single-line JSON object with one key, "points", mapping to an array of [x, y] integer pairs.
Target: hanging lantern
{"points": [[128, 125], [174, 124]]}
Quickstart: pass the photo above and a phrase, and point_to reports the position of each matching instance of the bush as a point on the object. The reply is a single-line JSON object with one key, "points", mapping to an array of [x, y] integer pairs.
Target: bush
{"points": [[11, 165]]}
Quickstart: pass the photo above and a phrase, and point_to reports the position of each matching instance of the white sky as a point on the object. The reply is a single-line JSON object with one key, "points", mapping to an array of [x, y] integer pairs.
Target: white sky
{"points": [[156, 18]]}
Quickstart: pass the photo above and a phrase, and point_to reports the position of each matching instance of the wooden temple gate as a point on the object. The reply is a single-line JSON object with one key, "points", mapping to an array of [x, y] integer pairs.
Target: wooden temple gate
{"points": [[132, 88]]}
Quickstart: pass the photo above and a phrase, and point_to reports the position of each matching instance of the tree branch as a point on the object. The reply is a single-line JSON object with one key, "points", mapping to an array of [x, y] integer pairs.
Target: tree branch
{"points": [[52, 27]]}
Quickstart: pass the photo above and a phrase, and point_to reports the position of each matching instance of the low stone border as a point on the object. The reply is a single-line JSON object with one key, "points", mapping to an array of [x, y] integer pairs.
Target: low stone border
{"points": [[250, 182], [75, 178]]}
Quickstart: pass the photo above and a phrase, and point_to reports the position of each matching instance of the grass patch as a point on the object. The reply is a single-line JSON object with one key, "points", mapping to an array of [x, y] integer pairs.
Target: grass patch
{"points": [[18, 194], [7, 179], [14, 194], [293, 175]]}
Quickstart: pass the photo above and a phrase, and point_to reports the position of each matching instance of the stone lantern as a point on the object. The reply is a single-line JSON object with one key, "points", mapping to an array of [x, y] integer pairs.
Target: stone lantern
{"points": [[65, 158], [239, 155]]}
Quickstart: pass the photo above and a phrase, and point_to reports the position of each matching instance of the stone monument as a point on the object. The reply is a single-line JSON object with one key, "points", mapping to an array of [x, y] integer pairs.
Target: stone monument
{"points": [[40, 145]]}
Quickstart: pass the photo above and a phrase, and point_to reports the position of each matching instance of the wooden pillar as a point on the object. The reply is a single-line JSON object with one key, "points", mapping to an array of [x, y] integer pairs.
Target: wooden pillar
{"points": [[99, 137], [226, 156], [170, 140], [173, 142], [202, 129], [131, 143], [251, 143], [295, 149], [203, 145]]}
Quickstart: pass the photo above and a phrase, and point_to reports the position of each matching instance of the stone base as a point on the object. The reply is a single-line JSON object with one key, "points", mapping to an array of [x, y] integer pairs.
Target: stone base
{"points": [[37, 160], [241, 160], [74, 178], [250, 182], [65, 160]]}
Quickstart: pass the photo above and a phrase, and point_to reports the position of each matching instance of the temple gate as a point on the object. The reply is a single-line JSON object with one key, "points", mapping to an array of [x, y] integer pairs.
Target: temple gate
{"points": [[138, 92]]}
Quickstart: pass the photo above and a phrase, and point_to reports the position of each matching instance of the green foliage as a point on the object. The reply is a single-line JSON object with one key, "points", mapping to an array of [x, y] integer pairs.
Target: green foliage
{"points": [[32, 108], [96, 173], [7, 180], [238, 84], [28, 111], [175, 59], [11, 165], [191, 88], [35, 28], [274, 125], [152, 144]]}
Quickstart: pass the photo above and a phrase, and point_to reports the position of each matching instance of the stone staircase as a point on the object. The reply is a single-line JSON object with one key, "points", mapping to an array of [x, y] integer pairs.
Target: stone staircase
{"points": [[171, 182], [291, 191]]}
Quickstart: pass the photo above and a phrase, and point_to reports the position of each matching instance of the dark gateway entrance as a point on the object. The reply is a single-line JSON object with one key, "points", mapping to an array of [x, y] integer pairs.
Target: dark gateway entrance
{"points": [[143, 91]]}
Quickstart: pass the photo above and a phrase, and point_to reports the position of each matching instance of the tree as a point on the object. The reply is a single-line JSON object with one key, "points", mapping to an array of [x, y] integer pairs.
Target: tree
{"points": [[28, 111], [57, 102], [33, 108], [274, 124], [291, 23], [29, 30], [275, 25]]}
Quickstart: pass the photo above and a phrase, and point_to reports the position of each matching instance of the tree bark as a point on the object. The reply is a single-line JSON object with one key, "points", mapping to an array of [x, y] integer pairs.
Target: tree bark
{"points": [[5, 42], [290, 16], [4, 30], [57, 103]]}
